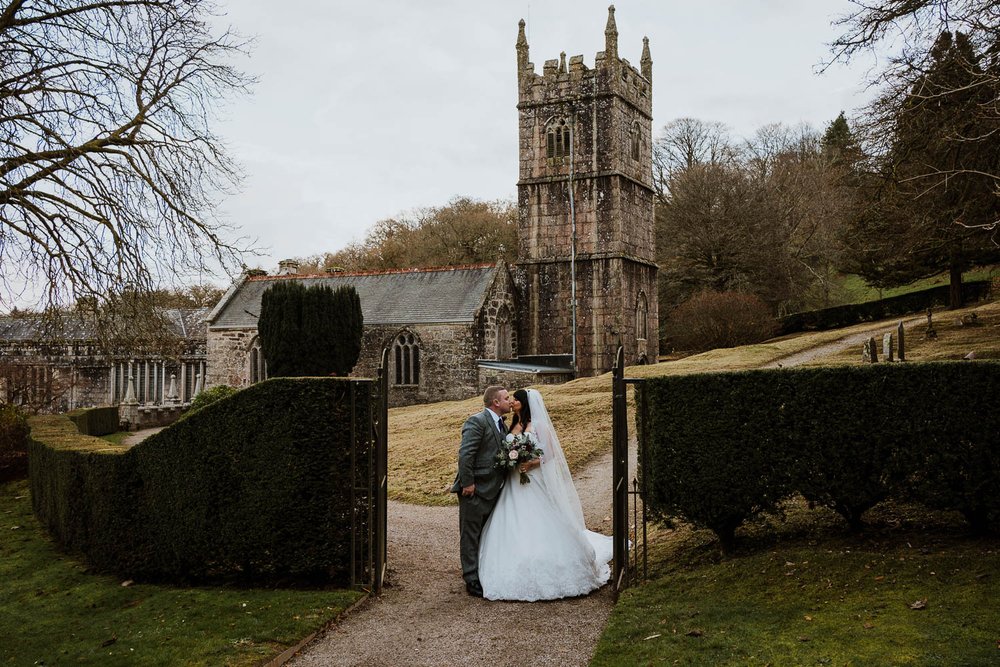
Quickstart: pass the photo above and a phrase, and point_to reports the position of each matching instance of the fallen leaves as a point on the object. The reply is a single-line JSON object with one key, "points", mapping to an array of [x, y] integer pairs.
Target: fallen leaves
{"points": [[695, 633], [919, 604]]}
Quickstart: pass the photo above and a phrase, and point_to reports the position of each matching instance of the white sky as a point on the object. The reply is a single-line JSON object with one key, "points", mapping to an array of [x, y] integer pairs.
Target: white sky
{"points": [[367, 109]]}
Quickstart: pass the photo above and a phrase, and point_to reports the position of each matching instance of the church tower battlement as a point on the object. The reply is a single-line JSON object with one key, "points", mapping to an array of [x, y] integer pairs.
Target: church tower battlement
{"points": [[587, 132]]}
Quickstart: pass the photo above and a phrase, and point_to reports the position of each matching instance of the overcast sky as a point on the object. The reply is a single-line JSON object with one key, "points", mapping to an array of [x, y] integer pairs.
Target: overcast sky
{"points": [[367, 109]]}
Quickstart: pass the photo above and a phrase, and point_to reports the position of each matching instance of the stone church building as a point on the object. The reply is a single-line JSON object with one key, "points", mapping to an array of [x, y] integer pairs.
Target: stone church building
{"points": [[585, 199], [438, 324]]}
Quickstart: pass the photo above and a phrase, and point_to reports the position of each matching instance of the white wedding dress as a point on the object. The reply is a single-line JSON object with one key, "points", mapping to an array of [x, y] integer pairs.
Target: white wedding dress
{"points": [[535, 545]]}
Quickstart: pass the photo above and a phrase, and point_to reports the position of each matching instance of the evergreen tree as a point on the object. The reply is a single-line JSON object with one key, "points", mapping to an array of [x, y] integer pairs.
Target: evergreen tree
{"points": [[310, 331], [280, 326], [934, 187], [346, 326], [840, 145]]}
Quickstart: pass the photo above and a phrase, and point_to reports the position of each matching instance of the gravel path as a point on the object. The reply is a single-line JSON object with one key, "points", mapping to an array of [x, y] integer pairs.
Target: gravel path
{"points": [[135, 438], [425, 616]]}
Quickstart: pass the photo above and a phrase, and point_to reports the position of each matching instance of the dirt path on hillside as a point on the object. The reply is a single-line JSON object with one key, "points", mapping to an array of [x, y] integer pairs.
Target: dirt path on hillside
{"points": [[426, 618], [853, 340]]}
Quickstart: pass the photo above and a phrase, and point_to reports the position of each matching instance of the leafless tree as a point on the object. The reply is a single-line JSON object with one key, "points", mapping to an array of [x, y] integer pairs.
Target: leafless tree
{"points": [[765, 223], [109, 167], [686, 142]]}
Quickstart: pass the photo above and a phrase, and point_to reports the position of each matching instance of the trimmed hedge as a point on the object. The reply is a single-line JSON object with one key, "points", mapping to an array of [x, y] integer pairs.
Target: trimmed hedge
{"points": [[724, 447], [13, 442], [254, 487], [95, 421], [904, 304]]}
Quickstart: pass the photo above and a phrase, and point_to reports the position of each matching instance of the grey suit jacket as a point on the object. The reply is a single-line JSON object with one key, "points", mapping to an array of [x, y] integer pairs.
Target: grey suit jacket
{"points": [[481, 440]]}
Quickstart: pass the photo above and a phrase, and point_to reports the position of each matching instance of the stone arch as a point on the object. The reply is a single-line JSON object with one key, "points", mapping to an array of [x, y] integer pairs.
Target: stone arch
{"points": [[635, 140], [641, 317], [405, 359], [256, 364], [504, 333], [557, 137]]}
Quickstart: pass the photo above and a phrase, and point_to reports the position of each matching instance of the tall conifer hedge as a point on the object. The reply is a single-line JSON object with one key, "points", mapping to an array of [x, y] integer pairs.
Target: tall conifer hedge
{"points": [[310, 331], [726, 447]]}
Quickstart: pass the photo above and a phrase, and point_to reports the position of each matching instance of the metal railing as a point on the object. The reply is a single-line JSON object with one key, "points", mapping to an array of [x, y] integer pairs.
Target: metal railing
{"points": [[369, 486], [628, 496]]}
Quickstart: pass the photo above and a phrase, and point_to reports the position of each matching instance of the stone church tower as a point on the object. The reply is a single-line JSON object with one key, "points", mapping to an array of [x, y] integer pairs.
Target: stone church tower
{"points": [[586, 158]]}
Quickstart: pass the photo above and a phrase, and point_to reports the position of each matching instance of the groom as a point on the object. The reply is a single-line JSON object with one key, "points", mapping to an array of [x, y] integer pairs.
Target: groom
{"points": [[478, 483]]}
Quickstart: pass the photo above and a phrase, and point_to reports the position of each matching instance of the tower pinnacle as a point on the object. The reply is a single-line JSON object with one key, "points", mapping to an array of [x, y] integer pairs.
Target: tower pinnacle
{"points": [[522, 47], [611, 36], [646, 63]]}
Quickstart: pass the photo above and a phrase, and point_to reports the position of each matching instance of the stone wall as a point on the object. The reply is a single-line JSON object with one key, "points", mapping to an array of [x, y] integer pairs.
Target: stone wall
{"points": [[57, 378], [448, 354], [53, 384], [608, 291], [229, 357], [500, 302]]}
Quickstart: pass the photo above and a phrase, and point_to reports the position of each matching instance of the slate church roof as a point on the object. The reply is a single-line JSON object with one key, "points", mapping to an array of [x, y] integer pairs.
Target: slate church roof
{"points": [[401, 296], [186, 323]]}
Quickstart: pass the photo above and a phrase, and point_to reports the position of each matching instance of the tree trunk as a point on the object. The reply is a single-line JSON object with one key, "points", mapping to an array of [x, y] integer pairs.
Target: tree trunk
{"points": [[955, 291]]}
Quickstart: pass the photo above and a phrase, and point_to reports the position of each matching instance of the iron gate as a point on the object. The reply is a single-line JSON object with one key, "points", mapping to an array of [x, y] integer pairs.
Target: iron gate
{"points": [[369, 487], [628, 494]]}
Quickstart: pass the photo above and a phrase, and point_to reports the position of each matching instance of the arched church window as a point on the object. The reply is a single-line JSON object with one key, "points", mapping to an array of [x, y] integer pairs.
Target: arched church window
{"points": [[557, 138], [641, 317], [406, 358], [635, 141], [258, 366], [505, 348]]}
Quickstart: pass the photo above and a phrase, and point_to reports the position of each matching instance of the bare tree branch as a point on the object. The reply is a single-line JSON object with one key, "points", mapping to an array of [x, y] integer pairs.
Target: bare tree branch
{"points": [[109, 167]]}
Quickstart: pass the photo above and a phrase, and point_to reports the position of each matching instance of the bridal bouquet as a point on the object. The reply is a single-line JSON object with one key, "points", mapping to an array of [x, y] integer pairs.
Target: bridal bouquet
{"points": [[518, 449]]}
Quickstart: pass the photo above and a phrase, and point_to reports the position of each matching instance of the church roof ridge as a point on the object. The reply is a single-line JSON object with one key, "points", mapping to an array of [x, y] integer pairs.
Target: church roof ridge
{"points": [[389, 296], [376, 272]]}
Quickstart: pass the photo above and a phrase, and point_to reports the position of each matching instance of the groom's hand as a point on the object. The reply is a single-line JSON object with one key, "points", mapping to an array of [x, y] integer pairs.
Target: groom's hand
{"points": [[469, 491]]}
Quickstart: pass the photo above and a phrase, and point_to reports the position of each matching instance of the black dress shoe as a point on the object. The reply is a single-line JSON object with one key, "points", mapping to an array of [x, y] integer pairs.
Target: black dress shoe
{"points": [[474, 588]]}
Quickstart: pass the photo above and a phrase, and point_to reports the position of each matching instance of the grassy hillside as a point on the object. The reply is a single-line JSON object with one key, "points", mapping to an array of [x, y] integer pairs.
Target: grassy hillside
{"points": [[855, 290]]}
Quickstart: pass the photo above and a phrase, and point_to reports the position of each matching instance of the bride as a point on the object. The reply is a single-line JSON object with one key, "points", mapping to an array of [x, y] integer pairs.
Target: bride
{"points": [[535, 545]]}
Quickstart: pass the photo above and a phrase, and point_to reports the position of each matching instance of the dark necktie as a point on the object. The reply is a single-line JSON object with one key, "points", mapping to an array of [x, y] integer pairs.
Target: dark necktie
{"points": [[501, 426]]}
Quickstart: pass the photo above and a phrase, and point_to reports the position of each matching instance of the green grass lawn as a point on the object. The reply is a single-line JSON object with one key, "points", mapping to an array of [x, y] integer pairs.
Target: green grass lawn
{"points": [[853, 289], [116, 438], [53, 612], [803, 592]]}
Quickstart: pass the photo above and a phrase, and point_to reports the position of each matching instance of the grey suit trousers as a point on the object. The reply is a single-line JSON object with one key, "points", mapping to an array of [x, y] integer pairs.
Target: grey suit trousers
{"points": [[480, 443]]}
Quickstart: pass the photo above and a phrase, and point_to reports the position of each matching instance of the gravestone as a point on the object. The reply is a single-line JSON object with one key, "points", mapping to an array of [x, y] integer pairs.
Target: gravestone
{"points": [[887, 347], [931, 333], [900, 342], [869, 354]]}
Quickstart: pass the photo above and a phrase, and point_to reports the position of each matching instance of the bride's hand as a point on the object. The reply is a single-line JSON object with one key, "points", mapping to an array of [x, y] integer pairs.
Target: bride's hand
{"points": [[530, 465]]}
